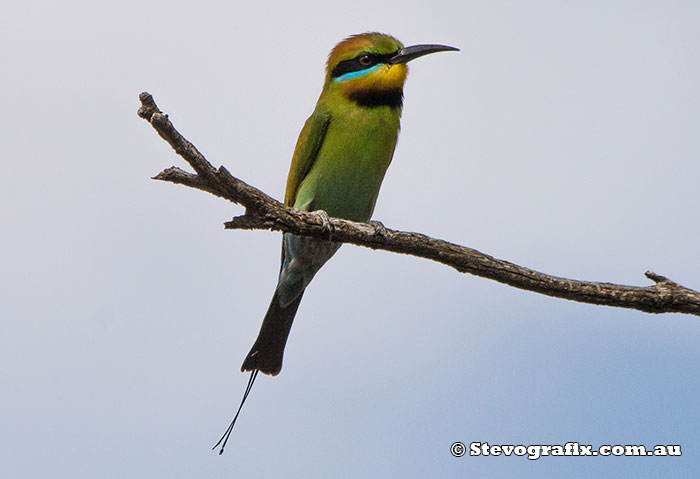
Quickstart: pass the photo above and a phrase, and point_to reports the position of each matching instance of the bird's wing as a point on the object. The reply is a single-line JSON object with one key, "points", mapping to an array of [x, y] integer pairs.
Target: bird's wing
{"points": [[306, 151]]}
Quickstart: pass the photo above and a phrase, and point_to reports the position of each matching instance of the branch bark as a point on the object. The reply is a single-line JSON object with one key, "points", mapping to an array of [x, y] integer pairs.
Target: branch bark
{"points": [[264, 212]]}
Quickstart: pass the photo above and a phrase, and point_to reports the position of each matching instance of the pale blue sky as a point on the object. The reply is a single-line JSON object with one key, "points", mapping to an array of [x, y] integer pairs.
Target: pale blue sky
{"points": [[562, 137]]}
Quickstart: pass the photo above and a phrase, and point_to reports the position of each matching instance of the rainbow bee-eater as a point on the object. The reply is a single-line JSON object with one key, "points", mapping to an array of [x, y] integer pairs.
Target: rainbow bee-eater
{"points": [[339, 163]]}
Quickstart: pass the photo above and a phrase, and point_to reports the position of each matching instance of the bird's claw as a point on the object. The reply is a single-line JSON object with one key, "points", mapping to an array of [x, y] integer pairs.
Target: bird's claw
{"points": [[325, 221]]}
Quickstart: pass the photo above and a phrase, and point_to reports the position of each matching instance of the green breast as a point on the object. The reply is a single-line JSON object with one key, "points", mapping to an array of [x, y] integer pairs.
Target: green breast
{"points": [[355, 154]]}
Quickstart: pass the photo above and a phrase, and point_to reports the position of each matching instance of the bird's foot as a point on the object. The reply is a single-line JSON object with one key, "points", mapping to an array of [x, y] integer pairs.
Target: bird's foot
{"points": [[325, 221], [379, 229]]}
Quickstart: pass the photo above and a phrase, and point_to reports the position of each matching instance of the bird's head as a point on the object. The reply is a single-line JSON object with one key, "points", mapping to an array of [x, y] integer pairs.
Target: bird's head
{"points": [[370, 68]]}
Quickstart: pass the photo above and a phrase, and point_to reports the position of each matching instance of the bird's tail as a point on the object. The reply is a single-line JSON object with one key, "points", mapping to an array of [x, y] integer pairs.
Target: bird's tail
{"points": [[266, 354]]}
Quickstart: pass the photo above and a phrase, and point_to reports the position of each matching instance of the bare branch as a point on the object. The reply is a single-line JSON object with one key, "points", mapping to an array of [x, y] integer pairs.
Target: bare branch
{"points": [[263, 212]]}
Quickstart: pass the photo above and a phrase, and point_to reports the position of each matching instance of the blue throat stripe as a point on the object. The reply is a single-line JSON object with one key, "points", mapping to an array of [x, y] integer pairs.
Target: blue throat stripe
{"points": [[357, 73]]}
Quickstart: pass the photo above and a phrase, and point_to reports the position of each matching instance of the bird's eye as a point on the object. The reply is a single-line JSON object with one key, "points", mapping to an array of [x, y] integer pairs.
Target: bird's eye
{"points": [[365, 60]]}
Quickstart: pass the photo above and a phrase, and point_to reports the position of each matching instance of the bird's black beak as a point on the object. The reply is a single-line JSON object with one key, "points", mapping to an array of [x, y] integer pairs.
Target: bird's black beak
{"points": [[407, 54]]}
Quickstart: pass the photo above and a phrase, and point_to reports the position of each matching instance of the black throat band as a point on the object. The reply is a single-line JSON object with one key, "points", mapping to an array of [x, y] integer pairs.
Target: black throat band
{"points": [[393, 98]]}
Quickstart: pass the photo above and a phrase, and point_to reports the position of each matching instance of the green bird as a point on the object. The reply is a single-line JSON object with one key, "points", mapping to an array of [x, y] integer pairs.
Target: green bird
{"points": [[338, 166], [339, 163]]}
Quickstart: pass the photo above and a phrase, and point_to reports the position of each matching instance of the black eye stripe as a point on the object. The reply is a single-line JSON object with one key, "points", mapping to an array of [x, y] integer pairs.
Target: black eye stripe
{"points": [[353, 64]]}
